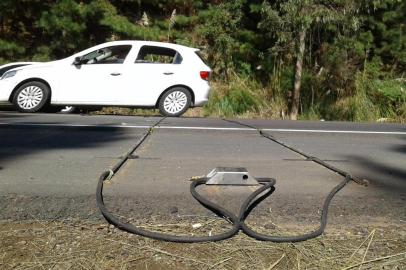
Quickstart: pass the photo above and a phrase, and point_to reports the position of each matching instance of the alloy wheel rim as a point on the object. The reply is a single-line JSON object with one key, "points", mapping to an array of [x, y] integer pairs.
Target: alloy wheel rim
{"points": [[30, 97], [175, 102]]}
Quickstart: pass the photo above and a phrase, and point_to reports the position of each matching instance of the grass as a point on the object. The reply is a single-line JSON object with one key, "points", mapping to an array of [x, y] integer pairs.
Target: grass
{"points": [[81, 245], [237, 98], [244, 97]]}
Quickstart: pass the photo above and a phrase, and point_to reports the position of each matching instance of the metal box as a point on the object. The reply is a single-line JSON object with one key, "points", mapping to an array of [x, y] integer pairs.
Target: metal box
{"points": [[231, 176]]}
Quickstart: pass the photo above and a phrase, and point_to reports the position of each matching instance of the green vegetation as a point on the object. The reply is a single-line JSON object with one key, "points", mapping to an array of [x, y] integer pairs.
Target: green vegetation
{"points": [[297, 59]]}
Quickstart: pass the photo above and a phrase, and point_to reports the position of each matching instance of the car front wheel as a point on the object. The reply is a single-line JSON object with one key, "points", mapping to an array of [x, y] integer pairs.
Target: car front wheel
{"points": [[175, 102], [31, 97]]}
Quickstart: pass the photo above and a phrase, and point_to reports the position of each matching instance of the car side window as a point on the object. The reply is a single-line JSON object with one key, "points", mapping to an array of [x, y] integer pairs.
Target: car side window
{"points": [[108, 55], [158, 55]]}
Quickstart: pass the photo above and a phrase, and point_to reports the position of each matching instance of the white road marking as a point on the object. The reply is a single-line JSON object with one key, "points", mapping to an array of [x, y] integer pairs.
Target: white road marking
{"points": [[338, 131], [128, 126]]}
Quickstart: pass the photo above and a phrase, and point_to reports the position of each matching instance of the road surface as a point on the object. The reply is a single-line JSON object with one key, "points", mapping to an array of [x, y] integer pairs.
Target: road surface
{"points": [[50, 164]]}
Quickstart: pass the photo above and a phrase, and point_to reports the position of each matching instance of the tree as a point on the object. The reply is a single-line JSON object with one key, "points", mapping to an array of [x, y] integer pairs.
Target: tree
{"points": [[290, 21], [388, 27], [219, 30]]}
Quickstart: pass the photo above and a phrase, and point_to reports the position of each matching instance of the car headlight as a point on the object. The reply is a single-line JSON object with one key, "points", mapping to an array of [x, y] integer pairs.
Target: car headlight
{"points": [[9, 74]]}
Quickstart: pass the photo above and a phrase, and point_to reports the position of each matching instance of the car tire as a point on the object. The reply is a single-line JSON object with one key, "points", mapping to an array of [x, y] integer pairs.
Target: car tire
{"points": [[31, 97], [175, 102]]}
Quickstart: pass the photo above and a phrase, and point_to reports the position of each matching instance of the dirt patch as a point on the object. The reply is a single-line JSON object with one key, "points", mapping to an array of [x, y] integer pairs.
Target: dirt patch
{"points": [[81, 245]]}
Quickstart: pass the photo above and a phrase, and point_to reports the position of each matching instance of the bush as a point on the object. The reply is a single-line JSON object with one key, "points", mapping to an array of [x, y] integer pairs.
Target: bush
{"points": [[237, 97]]}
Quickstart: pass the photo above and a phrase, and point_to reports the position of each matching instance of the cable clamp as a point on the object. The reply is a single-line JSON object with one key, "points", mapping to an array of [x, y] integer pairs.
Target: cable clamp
{"points": [[111, 174], [362, 182]]}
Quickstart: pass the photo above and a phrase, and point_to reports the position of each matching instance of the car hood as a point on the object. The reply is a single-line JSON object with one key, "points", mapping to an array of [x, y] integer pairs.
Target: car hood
{"points": [[39, 65], [32, 65]]}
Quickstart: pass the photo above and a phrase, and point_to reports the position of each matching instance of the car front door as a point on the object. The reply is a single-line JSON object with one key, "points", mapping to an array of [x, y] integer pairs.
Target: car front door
{"points": [[96, 79]]}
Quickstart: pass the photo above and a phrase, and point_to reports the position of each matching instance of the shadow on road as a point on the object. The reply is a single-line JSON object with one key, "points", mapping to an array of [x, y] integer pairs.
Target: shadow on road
{"points": [[380, 171], [13, 115], [19, 141], [401, 148]]}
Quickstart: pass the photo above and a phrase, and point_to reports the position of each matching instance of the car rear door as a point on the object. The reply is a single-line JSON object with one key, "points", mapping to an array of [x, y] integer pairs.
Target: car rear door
{"points": [[155, 69]]}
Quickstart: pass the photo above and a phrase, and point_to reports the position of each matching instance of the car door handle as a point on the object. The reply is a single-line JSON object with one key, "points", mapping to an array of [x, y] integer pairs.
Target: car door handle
{"points": [[115, 74], [168, 73]]}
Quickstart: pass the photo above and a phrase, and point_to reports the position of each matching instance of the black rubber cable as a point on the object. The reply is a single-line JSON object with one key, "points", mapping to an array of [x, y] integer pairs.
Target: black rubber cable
{"points": [[167, 237], [298, 238], [124, 158], [238, 222], [223, 213], [323, 219]]}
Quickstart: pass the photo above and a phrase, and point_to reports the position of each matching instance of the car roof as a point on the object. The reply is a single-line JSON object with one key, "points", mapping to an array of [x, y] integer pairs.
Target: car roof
{"points": [[150, 43]]}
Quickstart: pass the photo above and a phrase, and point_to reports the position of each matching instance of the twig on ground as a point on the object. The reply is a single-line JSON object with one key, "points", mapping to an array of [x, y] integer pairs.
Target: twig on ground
{"points": [[277, 262], [369, 244], [374, 260], [298, 261], [220, 262], [363, 242], [175, 256], [35, 257]]}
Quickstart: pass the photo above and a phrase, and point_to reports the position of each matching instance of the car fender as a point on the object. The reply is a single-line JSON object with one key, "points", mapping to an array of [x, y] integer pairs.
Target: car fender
{"points": [[30, 79], [192, 93], [27, 75]]}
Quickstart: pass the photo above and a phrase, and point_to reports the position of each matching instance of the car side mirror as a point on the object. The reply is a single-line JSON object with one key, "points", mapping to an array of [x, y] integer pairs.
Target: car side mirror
{"points": [[78, 61]]}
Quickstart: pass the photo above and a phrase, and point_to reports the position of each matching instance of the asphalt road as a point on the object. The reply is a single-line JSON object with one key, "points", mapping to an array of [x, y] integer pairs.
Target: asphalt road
{"points": [[50, 163]]}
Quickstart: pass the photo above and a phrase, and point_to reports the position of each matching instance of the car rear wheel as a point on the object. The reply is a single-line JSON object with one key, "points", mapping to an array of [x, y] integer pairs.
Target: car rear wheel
{"points": [[31, 97], [175, 102]]}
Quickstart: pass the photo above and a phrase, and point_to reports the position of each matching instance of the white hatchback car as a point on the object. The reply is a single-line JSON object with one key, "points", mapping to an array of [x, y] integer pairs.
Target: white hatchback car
{"points": [[120, 73]]}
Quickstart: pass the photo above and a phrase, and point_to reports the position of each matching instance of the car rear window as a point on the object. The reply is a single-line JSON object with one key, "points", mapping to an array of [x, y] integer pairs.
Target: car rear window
{"points": [[158, 55], [200, 55]]}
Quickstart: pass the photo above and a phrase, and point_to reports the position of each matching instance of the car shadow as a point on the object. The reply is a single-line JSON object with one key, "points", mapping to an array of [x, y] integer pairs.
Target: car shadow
{"points": [[4, 114], [401, 148], [27, 138], [382, 173]]}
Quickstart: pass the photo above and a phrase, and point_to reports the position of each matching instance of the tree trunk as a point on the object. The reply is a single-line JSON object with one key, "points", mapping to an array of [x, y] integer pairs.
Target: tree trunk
{"points": [[294, 102]]}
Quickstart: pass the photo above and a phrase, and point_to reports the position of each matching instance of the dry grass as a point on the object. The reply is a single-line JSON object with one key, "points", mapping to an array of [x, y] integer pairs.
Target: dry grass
{"points": [[80, 245], [193, 112]]}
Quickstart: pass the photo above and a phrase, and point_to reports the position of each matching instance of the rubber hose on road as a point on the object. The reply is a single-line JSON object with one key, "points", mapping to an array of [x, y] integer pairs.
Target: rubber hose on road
{"points": [[155, 235], [238, 222], [302, 237], [166, 237], [323, 219]]}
